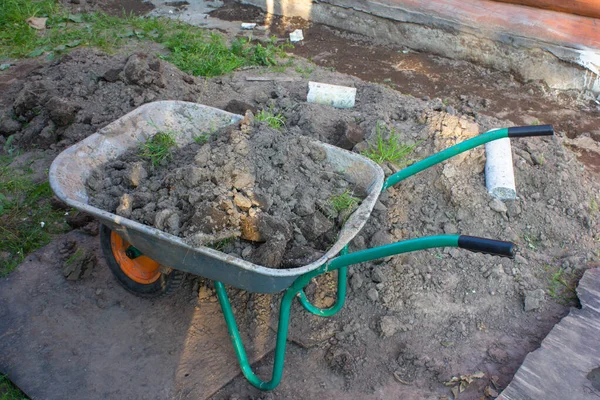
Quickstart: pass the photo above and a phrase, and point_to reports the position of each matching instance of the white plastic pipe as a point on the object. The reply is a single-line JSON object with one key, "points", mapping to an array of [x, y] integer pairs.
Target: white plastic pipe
{"points": [[499, 174], [333, 95]]}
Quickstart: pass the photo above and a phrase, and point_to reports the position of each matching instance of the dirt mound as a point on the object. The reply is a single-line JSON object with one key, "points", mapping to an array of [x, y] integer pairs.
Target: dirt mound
{"points": [[66, 101], [262, 194]]}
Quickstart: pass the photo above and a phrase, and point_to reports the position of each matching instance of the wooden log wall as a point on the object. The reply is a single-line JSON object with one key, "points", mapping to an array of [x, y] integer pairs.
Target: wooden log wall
{"points": [[588, 8]]}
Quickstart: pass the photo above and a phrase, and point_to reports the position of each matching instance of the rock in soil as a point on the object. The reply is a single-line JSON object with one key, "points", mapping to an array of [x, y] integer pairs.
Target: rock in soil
{"points": [[533, 300]]}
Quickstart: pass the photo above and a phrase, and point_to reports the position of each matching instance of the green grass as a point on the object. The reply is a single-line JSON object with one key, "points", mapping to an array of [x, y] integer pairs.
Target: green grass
{"points": [[158, 148], [390, 149], [275, 121], [593, 207], [221, 244], [76, 256], [561, 285], [344, 201], [27, 220], [305, 71], [8, 391], [191, 49], [201, 138], [531, 241]]}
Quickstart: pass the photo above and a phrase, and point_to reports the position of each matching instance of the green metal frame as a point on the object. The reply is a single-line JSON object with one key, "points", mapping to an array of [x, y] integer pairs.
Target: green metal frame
{"points": [[340, 264]]}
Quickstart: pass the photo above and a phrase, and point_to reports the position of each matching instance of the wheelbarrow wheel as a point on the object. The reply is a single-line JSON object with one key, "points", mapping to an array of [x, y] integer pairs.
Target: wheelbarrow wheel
{"points": [[137, 273]]}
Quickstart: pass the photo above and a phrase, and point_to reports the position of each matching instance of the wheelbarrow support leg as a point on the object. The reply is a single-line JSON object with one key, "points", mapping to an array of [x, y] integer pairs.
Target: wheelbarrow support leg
{"points": [[240, 352], [341, 294]]}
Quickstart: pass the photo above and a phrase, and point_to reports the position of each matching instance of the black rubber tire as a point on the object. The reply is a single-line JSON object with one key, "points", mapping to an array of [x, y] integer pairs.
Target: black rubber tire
{"points": [[166, 285]]}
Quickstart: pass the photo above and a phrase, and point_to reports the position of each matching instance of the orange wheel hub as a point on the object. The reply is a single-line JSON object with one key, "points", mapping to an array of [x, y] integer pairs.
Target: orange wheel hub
{"points": [[140, 269]]}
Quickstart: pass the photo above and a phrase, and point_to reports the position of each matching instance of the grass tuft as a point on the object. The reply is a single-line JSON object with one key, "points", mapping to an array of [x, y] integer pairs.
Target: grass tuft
{"points": [[27, 220], [158, 147], [8, 391], [389, 150], [562, 285], [201, 138], [221, 244], [275, 121], [344, 201]]}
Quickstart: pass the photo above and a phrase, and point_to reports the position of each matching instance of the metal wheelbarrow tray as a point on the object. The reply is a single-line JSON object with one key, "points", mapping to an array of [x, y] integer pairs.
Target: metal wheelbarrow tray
{"points": [[72, 167]]}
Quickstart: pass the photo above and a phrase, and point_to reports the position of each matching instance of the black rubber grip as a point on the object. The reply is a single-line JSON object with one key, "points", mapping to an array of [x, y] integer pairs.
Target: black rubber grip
{"points": [[487, 246], [534, 130]]}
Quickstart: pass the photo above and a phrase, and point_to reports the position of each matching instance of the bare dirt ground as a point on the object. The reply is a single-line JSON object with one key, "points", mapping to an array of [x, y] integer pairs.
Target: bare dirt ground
{"points": [[415, 321]]}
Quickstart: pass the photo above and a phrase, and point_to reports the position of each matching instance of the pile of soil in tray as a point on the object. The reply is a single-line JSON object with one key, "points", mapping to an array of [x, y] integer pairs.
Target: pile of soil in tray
{"points": [[253, 191]]}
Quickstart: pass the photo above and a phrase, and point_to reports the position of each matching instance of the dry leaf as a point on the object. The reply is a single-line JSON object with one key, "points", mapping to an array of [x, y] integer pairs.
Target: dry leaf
{"points": [[452, 381], [488, 391], [495, 381], [463, 385], [454, 391], [37, 23], [400, 379], [478, 375]]}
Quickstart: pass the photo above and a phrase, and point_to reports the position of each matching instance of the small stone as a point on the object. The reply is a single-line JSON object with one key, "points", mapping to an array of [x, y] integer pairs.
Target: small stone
{"points": [[8, 126], [112, 75], [124, 209], [513, 209], [538, 158], [498, 355], [305, 205], [173, 224], [380, 238], [450, 228], [243, 180], [356, 281], [533, 299], [521, 260], [239, 107], [246, 252], [389, 325], [377, 276], [373, 294], [204, 293], [61, 110], [498, 206], [359, 242], [137, 174], [242, 201], [350, 134], [315, 225]]}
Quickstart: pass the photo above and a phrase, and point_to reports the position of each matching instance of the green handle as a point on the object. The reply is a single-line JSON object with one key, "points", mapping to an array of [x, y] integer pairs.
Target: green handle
{"points": [[514, 132], [444, 155]]}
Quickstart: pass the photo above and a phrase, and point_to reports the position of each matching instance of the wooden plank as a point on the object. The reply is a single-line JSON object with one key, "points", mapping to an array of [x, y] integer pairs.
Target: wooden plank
{"points": [[566, 364], [505, 19], [587, 8]]}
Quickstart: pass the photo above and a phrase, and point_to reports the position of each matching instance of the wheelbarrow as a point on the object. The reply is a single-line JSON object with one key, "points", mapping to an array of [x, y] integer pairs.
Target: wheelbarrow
{"points": [[149, 262]]}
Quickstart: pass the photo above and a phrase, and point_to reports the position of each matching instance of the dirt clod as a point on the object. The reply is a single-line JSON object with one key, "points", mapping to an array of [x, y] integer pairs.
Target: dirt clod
{"points": [[533, 300]]}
